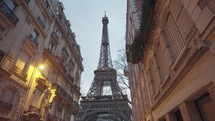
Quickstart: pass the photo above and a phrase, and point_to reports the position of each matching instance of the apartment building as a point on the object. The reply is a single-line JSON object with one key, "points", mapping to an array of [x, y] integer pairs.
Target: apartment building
{"points": [[174, 52], [133, 18], [40, 62]]}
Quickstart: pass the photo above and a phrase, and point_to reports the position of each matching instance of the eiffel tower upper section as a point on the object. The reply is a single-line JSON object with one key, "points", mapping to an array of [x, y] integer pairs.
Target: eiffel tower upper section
{"points": [[105, 56], [105, 75]]}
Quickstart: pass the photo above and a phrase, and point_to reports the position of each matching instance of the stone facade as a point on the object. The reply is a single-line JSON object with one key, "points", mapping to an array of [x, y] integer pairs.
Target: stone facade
{"points": [[40, 62], [132, 26], [175, 79]]}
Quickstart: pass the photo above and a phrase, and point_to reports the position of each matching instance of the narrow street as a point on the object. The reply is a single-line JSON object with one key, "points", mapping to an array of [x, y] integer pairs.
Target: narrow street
{"points": [[107, 60]]}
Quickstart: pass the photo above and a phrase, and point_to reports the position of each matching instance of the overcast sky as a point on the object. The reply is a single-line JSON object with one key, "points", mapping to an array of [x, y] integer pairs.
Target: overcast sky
{"points": [[86, 19]]}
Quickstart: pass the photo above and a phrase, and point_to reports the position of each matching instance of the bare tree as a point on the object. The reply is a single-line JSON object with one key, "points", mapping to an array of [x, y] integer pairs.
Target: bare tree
{"points": [[120, 64]]}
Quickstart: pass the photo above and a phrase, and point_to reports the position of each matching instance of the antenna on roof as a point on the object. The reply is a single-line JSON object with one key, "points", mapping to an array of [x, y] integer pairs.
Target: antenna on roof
{"points": [[105, 13]]}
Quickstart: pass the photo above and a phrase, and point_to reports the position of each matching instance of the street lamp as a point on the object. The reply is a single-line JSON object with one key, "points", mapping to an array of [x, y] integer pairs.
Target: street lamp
{"points": [[41, 67]]}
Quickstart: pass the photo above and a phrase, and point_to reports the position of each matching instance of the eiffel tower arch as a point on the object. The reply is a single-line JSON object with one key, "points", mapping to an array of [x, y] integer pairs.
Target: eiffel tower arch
{"points": [[97, 105]]}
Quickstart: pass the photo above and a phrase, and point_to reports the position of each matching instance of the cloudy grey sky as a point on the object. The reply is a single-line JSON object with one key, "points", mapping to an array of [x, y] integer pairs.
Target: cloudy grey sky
{"points": [[86, 19]]}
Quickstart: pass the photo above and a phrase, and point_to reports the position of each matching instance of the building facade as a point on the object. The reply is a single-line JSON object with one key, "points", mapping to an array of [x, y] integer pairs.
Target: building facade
{"points": [[133, 18], [40, 62], [174, 80]]}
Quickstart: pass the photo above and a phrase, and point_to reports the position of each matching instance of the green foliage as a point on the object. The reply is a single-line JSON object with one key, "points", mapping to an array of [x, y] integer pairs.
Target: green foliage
{"points": [[142, 37]]}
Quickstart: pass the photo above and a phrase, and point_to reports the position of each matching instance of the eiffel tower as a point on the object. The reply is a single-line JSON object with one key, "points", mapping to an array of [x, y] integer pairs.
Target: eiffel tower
{"points": [[97, 105]]}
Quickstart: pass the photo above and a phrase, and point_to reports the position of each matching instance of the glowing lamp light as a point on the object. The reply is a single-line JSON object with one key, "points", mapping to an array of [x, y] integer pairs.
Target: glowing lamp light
{"points": [[41, 67]]}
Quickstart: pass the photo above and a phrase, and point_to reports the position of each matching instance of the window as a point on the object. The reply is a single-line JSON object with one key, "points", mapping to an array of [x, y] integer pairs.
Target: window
{"points": [[34, 35], [206, 108], [177, 43], [65, 51], [46, 3], [41, 20], [23, 61], [51, 47], [10, 4], [45, 71], [178, 115]]}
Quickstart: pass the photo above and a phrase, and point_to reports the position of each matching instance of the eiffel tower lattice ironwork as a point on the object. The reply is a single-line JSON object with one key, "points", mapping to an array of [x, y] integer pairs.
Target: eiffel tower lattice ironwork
{"points": [[97, 105]]}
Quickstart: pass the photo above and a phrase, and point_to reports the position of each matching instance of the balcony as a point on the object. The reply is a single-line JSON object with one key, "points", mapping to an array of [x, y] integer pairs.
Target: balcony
{"points": [[54, 35], [63, 93], [5, 106], [70, 78], [63, 67], [19, 72], [64, 50], [33, 40], [7, 12]]}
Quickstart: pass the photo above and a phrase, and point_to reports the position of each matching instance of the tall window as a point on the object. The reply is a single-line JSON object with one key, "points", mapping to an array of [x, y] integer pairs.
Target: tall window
{"points": [[23, 61], [34, 35], [176, 40], [45, 71], [162, 62]]}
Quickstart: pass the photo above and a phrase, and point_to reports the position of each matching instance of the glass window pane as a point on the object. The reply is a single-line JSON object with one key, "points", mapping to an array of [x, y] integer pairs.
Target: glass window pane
{"points": [[10, 4]]}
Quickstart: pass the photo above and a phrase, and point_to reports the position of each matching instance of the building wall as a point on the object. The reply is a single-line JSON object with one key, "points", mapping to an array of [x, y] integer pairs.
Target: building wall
{"points": [[35, 33], [132, 26], [176, 73]]}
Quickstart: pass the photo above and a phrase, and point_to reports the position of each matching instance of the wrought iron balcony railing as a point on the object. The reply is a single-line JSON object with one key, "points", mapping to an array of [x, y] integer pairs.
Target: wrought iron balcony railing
{"points": [[8, 12], [54, 34], [70, 78], [34, 40], [5, 106], [63, 67], [64, 93], [65, 51]]}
